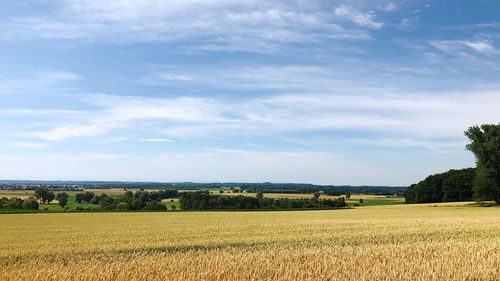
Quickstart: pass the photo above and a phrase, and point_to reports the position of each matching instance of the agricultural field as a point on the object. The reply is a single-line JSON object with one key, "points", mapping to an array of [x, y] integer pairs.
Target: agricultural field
{"points": [[96, 191], [368, 200], [448, 241], [72, 204], [274, 195], [17, 193], [375, 201]]}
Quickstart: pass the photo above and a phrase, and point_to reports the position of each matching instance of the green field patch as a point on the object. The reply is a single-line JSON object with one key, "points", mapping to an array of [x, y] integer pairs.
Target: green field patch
{"points": [[377, 202]]}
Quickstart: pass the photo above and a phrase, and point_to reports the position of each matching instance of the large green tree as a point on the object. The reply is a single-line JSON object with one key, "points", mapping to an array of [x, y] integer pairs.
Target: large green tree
{"points": [[44, 195], [485, 144], [41, 194], [62, 199]]}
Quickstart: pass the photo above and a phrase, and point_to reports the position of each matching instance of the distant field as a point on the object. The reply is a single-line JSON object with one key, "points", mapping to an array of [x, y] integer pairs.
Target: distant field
{"points": [[376, 201], [110, 191], [114, 191], [276, 195], [369, 200], [17, 193], [449, 241], [172, 202], [72, 204]]}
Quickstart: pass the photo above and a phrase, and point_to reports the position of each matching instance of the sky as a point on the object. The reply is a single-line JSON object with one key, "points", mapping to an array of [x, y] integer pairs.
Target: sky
{"points": [[327, 92]]}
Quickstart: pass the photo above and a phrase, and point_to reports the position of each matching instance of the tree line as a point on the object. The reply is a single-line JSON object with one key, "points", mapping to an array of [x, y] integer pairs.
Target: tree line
{"points": [[203, 200], [90, 198], [140, 200], [18, 203], [46, 196], [452, 186], [326, 189], [481, 183]]}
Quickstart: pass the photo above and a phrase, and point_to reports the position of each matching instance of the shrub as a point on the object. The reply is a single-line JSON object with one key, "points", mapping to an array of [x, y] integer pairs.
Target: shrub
{"points": [[122, 206], [30, 204]]}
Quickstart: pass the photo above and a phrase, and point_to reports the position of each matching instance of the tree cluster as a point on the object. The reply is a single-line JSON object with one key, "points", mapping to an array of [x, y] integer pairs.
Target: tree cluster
{"points": [[452, 186], [62, 199], [44, 195], [18, 203], [140, 200], [86, 197], [203, 200], [291, 188], [481, 184]]}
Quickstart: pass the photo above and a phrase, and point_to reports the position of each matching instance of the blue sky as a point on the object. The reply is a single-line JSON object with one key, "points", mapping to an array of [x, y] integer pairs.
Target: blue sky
{"points": [[328, 92]]}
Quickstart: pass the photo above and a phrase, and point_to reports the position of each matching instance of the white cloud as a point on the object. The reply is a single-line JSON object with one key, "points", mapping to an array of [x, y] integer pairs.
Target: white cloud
{"points": [[110, 140], [453, 145], [94, 128], [157, 140], [247, 77], [461, 47], [37, 82], [360, 18], [407, 24], [33, 112], [445, 115], [249, 25], [26, 144], [480, 46], [390, 7]]}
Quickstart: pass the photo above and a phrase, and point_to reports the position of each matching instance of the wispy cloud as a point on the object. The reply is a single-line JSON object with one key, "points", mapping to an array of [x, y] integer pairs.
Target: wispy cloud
{"points": [[39, 81], [156, 140], [390, 7], [110, 140], [94, 128], [205, 24], [247, 77], [460, 47], [42, 112], [26, 144], [360, 18], [409, 115], [342, 78], [437, 145]]}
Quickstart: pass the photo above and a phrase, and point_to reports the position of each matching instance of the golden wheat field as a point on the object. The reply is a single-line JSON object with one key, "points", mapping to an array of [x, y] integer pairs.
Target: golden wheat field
{"points": [[403, 242]]}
